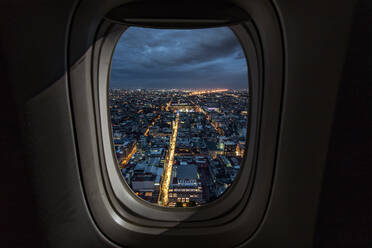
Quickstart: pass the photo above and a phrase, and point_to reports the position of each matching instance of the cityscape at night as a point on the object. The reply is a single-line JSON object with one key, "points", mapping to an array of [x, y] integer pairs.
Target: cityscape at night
{"points": [[178, 102], [179, 148]]}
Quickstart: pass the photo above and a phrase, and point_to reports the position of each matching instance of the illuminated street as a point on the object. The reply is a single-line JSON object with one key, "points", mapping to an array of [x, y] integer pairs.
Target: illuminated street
{"points": [[134, 149], [126, 160], [167, 172], [201, 92], [213, 124]]}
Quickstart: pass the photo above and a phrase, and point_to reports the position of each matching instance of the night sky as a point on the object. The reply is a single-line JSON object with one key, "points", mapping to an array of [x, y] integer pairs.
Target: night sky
{"points": [[159, 58]]}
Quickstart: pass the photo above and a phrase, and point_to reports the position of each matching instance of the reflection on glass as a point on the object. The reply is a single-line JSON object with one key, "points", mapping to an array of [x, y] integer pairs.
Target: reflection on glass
{"points": [[178, 101]]}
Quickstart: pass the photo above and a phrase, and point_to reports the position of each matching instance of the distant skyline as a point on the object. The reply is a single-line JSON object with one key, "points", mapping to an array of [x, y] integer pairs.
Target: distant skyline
{"points": [[162, 59]]}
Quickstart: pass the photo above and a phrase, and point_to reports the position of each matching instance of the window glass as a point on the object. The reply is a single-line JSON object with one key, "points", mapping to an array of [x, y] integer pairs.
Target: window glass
{"points": [[178, 103]]}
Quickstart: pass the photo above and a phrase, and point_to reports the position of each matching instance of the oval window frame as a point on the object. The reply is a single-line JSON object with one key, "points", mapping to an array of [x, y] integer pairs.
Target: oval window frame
{"points": [[114, 217], [121, 189]]}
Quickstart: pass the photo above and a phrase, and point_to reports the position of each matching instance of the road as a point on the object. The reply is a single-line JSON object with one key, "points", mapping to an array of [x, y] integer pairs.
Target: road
{"points": [[168, 166], [129, 156], [201, 92], [209, 118], [134, 148]]}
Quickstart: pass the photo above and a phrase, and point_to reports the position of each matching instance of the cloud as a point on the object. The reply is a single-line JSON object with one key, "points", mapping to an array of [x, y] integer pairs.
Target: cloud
{"points": [[158, 58]]}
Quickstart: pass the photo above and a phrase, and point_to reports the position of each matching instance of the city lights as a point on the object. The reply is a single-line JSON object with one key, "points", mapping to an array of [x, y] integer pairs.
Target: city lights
{"points": [[179, 148]]}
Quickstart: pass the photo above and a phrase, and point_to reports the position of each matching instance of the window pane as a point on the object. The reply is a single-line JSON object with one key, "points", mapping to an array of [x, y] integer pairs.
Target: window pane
{"points": [[179, 113]]}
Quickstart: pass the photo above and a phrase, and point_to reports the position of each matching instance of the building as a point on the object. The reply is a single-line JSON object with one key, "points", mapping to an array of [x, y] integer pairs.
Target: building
{"points": [[185, 187]]}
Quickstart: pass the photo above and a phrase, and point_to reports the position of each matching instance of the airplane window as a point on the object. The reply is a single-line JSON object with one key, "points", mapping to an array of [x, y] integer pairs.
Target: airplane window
{"points": [[178, 102]]}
